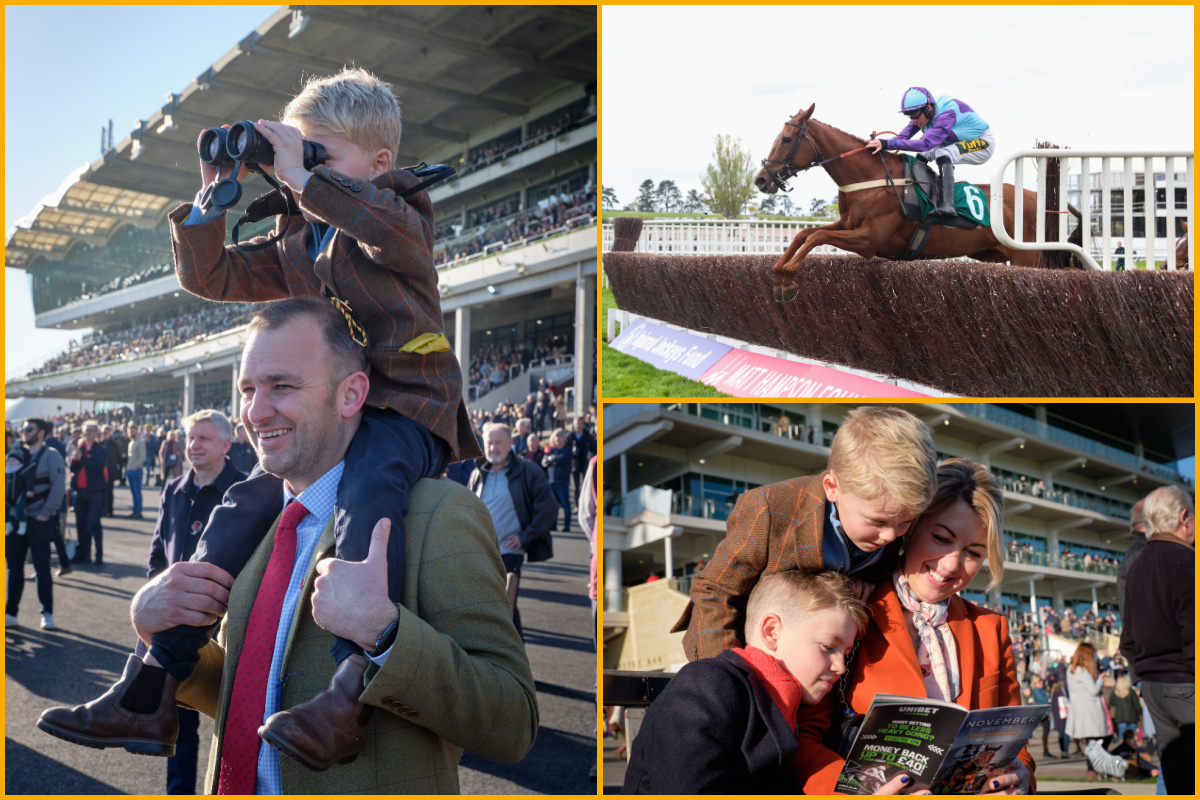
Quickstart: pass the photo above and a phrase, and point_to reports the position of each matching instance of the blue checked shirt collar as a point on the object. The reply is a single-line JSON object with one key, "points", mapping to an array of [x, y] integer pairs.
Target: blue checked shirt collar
{"points": [[319, 498]]}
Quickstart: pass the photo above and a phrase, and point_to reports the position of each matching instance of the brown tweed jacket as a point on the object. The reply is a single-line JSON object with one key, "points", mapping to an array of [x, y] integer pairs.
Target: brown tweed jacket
{"points": [[457, 678], [380, 262], [772, 528]]}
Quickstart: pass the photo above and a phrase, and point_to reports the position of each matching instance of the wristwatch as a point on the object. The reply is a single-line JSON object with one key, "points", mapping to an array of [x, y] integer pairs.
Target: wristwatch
{"points": [[385, 640]]}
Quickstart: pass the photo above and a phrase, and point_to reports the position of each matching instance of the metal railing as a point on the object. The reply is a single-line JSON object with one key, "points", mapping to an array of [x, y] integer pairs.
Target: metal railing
{"points": [[711, 237], [1073, 440], [1084, 158]]}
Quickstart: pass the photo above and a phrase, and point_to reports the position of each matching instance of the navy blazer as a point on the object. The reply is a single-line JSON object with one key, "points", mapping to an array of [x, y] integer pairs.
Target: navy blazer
{"points": [[183, 511], [713, 730]]}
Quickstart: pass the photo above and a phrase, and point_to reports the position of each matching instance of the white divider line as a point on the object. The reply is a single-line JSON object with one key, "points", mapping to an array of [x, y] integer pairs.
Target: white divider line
{"points": [[627, 318]]}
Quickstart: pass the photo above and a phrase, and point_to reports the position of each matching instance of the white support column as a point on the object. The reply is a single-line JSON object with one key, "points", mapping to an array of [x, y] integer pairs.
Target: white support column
{"points": [[585, 339], [1033, 598], [669, 554], [1095, 607], [189, 394], [613, 576], [462, 341]]}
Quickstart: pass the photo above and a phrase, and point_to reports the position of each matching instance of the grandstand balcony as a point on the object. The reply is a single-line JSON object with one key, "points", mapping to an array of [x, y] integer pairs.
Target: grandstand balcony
{"points": [[101, 310], [564, 150]]}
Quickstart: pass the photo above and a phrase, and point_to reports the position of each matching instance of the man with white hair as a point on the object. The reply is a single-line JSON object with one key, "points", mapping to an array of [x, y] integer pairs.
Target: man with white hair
{"points": [[184, 508], [1158, 631]]}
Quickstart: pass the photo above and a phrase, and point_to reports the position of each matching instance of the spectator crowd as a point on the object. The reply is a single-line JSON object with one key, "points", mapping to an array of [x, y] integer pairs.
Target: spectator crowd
{"points": [[492, 366], [497, 228], [155, 337]]}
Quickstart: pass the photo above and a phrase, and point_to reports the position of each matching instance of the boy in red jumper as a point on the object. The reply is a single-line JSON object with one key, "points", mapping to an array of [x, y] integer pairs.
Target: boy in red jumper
{"points": [[727, 724]]}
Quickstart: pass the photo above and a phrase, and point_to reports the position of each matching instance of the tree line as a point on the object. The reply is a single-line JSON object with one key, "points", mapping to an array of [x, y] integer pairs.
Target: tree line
{"points": [[728, 184]]}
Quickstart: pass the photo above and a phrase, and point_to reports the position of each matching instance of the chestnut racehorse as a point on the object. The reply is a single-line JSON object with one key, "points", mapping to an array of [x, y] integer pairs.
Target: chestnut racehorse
{"points": [[869, 221]]}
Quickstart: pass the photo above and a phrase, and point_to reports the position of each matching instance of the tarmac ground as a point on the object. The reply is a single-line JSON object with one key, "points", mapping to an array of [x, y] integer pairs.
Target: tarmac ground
{"points": [[80, 660]]}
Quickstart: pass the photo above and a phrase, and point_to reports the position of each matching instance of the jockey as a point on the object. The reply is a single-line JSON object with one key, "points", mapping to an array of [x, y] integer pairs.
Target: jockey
{"points": [[951, 133]]}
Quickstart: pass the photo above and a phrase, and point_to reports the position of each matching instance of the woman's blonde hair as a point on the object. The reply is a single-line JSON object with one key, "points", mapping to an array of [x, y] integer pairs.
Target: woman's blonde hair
{"points": [[974, 484], [1085, 656], [1123, 686], [885, 452], [354, 104], [792, 593]]}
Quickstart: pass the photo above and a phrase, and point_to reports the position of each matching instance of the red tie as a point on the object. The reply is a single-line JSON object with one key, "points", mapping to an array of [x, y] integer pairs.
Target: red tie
{"points": [[239, 750]]}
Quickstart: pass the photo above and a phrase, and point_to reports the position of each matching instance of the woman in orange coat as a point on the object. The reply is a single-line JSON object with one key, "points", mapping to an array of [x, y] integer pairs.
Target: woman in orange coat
{"points": [[923, 640]]}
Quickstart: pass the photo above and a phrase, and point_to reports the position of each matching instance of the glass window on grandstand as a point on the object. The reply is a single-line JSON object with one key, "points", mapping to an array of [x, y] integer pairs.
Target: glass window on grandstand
{"points": [[561, 188]]}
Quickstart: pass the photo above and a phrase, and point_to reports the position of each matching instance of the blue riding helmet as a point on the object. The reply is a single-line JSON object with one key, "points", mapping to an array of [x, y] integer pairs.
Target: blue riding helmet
{"points": [[915, 99]]}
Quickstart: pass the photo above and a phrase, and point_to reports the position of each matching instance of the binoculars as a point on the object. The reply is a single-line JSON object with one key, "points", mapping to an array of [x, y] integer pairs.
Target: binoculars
{"points": [[242, 143]]}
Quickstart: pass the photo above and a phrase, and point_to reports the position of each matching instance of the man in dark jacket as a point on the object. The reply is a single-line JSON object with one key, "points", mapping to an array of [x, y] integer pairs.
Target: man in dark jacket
{"points": [[183, 510], [1137, 529], [518, 498], [584, 444], [558, 463], [43, 483], [113, 447], [1158, 635], [89, 479]]}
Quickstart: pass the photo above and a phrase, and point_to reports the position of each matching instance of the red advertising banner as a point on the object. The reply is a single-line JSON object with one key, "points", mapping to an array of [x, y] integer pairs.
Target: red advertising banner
{"points": [[744, 374]]}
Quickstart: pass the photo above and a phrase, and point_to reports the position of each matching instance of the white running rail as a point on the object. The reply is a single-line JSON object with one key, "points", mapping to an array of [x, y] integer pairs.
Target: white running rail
{"points": [[1153, 165]]}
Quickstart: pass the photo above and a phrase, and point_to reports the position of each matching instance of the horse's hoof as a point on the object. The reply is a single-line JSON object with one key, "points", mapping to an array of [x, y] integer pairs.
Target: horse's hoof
{"points": [[785, 295]]}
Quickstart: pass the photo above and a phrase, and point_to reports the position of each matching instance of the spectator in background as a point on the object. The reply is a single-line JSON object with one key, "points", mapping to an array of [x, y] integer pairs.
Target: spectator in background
{"points": [[1085, 683], [89, 478], [241, 452], [558, 463], [42, 482], [120, 445], [1120, 254], [184, 508], [1124, 706], [517, 497], [152, 444], [1137, 530], [114, 467], [170, 458], [588, 511], [521, 437], [1158, 630], [560, 411], [134, 466], [783, 425], [584, 445], [533, 450], [1060, 710]]}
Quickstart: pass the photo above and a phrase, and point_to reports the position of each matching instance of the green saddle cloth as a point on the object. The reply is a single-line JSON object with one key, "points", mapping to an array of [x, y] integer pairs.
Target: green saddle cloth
{"points": [[969, 201]]}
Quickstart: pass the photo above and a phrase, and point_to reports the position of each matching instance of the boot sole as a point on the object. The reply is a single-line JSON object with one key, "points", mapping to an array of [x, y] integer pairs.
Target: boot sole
{"points": [[140, 747], [283, 747]]}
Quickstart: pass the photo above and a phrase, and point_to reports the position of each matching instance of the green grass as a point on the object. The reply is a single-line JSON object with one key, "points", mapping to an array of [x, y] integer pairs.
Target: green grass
{"points": [[626, 376]]}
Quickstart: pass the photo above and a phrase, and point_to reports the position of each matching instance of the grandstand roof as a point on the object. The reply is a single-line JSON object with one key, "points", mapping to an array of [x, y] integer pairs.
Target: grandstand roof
{"points": [[455, 70]]}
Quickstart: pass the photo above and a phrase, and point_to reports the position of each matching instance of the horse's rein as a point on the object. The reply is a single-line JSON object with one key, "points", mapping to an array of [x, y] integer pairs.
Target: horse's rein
{"points": [[789, 170]]}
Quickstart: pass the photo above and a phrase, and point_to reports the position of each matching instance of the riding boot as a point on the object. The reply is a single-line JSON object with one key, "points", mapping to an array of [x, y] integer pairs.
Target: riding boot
{"points": [[331, 727], [945, 206], [108, 721]]}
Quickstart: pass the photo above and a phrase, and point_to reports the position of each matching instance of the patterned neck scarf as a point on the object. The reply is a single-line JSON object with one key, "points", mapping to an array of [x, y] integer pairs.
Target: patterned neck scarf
{"points": [[935, 636]]}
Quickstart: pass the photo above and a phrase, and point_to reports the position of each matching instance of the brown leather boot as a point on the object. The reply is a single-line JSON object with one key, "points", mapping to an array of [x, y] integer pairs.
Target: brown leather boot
{"points": [[330, 728], [104, 722]]}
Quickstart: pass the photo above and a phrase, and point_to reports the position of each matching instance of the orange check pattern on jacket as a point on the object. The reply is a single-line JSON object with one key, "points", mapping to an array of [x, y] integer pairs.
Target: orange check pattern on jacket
{"points": [[772, 529], [379, 262]]}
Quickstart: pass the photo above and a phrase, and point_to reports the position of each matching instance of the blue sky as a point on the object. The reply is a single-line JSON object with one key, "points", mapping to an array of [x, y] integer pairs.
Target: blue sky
{"points": [[67, 71]]}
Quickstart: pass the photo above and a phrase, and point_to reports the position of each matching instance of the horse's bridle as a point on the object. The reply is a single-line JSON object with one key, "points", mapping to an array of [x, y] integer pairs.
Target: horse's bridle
{"points": [[789, 170]]}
